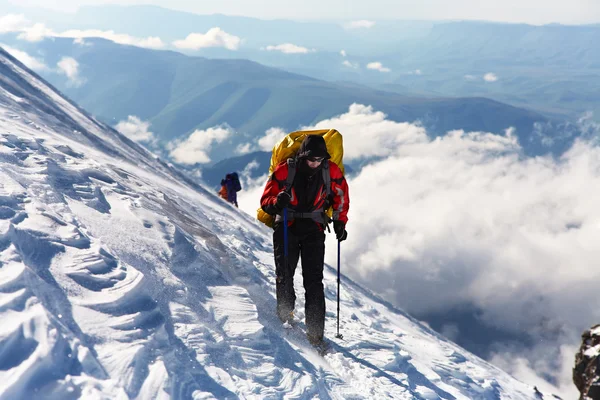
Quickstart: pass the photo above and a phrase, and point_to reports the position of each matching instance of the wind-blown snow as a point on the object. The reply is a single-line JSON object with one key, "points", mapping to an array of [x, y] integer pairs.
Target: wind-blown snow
{"points": [[121, 278]]}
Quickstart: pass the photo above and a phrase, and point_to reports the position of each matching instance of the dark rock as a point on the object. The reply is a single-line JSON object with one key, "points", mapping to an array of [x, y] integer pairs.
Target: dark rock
{"points": [[586, 374]]}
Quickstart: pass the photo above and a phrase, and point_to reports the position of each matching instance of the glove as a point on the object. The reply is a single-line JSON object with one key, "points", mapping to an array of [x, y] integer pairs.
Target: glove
{"points": [[340, 230], [283, 200]]}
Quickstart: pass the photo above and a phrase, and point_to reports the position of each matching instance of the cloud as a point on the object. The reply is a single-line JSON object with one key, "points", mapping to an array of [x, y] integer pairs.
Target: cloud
{"points": [[384, 135], [464, 219], [244, 148], [474, 216], [196, 147], [70, 67], [271, 138], [35, 33], [350, 64], [135, 129], [588, 126], [151, 42], [490, 77], [377, 66], [29, 61], [361, 24], [415, 72], [343, 53], [265, 143], [38, 32], [554, 361], [289, 48], [13, 23], [214, 37], [81, 42]]}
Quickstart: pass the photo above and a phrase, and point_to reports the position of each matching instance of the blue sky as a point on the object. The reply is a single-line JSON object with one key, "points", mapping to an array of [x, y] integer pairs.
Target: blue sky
{"points": [[529, 11]]}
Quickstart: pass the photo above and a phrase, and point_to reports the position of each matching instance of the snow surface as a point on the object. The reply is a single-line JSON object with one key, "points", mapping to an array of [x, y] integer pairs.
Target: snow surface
{"points": [[120, 278]]}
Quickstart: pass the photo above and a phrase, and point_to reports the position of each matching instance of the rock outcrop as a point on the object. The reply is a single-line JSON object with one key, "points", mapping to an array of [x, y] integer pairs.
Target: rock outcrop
{"points": [[586, 373]]}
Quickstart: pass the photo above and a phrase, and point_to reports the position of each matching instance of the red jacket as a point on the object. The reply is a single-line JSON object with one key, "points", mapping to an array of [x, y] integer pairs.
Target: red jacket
{"points": [[339, 191], [223, 192]]}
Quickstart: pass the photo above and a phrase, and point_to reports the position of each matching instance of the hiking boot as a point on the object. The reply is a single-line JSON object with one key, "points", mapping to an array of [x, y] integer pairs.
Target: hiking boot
{"points": [[314, 340], [320, 345]]}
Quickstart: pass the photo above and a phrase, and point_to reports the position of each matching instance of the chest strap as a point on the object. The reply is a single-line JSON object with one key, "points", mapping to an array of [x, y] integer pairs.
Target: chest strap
{"points": [[316, 215]]}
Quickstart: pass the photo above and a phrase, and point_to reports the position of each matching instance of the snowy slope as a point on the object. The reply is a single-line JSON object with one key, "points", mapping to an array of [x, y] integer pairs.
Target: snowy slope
{"points": [[120, 278]]}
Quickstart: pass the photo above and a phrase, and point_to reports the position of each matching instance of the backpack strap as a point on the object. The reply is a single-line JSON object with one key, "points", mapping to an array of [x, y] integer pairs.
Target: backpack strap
{"points": [[291, 162], [326, 177], [289, 181], [327, 183]]}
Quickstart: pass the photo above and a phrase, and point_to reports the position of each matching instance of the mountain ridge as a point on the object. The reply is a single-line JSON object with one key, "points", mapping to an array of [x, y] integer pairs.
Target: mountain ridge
{"points": [[178, 94]]}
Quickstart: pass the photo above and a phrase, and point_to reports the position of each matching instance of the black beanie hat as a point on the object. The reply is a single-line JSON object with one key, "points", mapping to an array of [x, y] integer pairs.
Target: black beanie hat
{"points": [[313, 146]]}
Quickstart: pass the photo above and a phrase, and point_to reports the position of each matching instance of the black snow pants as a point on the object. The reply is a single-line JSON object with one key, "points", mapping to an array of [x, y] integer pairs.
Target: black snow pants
{"points": [[310, 247]]}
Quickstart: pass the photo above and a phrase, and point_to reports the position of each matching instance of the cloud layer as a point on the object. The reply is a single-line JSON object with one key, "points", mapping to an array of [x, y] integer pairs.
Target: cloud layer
{"points": [[151, 42], [36, 32], [465, 219], [214, 37]]}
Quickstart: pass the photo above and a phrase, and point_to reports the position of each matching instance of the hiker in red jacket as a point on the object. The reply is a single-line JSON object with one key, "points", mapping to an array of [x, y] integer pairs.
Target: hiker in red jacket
{"points": [[306, 198], [223, 191]]}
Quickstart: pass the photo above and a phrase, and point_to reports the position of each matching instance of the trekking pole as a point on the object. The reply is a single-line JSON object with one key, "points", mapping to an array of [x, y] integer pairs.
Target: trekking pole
{"points": [[339, 336], [285, 239], [286, 274]]}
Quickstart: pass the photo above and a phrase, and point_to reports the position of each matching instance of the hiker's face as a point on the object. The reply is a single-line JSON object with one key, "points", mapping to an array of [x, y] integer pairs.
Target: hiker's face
{"points": [[314, 162]]}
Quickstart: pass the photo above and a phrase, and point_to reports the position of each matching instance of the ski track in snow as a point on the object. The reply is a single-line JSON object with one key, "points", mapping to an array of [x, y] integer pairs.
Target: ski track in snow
{"points": [[120, 280]]}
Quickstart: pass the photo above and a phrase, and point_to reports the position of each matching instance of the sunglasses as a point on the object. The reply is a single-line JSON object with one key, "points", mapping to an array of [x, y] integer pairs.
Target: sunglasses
{"points": [[315, 159]]}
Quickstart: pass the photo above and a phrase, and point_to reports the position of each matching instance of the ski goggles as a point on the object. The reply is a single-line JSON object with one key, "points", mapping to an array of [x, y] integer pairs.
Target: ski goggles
{"points": [[315, 159]]}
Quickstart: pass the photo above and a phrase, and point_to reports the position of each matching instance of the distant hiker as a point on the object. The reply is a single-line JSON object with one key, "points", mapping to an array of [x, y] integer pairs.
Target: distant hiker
{"points": [[305, 202], [223, 191], [232, 186]]}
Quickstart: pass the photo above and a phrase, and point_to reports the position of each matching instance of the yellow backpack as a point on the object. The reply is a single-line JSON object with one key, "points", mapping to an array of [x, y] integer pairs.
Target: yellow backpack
{"points": [[288, 147]]}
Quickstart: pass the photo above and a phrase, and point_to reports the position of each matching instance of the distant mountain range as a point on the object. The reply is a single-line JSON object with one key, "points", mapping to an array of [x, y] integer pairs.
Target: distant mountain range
{"points": [[554, 69], [171, 25], [178, 94]]}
